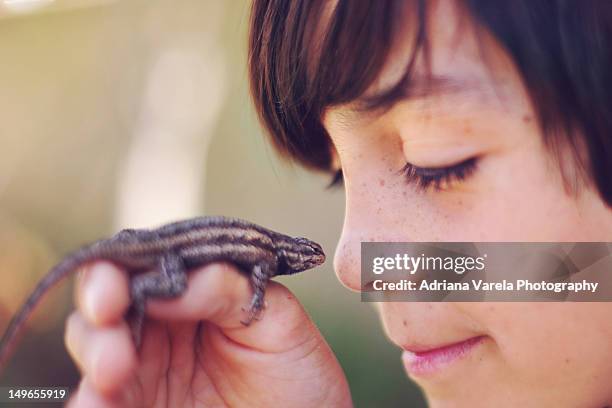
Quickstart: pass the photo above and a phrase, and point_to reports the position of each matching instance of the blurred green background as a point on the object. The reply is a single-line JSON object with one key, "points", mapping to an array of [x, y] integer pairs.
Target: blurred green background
{"points": [[133, 113]]}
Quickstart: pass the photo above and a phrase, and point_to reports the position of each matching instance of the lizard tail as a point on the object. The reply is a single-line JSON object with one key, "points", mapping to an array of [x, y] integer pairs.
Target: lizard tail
{"points": [[17, 325]]}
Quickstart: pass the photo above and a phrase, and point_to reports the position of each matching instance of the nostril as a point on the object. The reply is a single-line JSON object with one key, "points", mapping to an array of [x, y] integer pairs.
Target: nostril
{"points": [[368, 287], [347, 268]]}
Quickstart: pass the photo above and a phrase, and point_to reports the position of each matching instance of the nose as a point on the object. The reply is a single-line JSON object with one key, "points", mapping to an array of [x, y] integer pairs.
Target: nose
{"points": [[374, 212], [359, 227], [347, 262]]}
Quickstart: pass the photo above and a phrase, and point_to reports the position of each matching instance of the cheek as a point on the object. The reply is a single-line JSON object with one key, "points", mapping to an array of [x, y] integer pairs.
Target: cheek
{"points": [[556, 343], [517, 196], [381, 206]]}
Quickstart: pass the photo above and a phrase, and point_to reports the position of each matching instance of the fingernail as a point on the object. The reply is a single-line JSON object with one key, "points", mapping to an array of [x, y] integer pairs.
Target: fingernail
{"points": [[92, 283]]}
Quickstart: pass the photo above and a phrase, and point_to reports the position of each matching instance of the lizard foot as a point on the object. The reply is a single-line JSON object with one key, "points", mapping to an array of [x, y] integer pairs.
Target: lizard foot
{"points": [[254, 314]]}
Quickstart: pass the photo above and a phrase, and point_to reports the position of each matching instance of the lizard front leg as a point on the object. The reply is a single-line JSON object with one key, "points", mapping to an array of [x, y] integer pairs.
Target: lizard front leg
{"points": [[169, 281], [260, 275]]}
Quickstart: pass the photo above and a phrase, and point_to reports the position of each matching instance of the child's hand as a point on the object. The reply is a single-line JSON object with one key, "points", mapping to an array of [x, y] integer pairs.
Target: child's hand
{"points": [[196, 352]]}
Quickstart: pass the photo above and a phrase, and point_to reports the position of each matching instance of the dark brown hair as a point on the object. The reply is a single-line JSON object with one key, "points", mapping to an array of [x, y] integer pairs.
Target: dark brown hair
{"points": [[562, 49]]}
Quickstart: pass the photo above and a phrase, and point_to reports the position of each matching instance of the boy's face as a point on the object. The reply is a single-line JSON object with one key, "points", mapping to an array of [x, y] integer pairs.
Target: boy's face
{"points": [[533, 354]]}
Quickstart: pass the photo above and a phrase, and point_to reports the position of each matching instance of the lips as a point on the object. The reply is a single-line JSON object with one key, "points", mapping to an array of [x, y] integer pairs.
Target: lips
{"points": [[421, 360]]}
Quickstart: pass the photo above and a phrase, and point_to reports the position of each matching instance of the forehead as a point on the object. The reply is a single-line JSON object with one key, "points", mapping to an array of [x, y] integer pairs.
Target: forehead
{"points": [[463, 63]]}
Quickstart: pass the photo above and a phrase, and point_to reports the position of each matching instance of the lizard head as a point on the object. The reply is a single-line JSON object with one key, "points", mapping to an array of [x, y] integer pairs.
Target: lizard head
{"points": [[304, 254]]}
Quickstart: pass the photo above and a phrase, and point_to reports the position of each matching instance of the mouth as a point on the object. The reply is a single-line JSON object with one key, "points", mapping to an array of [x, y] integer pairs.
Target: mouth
{"points": [[428, 360]]}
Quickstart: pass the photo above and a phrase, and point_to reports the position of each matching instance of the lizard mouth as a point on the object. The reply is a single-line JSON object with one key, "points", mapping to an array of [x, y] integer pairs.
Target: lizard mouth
{"points": [[317, 260]]}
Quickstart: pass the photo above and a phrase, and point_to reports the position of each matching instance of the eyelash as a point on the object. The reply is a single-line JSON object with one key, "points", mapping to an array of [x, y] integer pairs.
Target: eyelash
{"points": [[426, 177], [336, 181], [440, 177]]}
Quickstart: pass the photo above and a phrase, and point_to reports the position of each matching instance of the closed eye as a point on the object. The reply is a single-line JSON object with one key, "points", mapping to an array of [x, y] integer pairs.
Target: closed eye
{"points": [[439, 178], [425, 177]]}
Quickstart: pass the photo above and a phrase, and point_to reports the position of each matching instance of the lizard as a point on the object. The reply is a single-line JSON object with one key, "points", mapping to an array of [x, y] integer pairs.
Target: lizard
{"points": [[158, 260]]}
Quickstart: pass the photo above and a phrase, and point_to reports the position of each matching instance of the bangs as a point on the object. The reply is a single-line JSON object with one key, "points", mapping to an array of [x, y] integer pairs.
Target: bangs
{"points": [[306, 56]]}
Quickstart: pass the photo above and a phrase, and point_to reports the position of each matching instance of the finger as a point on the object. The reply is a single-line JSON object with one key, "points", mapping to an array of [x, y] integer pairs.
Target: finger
{"points": [[283, 325], [103, 293], [105, 355], [214, 292], [219, 292], [86, 396]]}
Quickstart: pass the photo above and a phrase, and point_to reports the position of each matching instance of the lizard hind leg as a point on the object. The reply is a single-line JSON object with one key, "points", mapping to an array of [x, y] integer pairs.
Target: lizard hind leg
{"points": [[169, 281], [260, 276]]}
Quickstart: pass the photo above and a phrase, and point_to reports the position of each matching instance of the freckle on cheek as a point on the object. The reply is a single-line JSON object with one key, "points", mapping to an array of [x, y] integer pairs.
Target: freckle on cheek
{"points": [[405, 323], [526, 118], [381, 182]]}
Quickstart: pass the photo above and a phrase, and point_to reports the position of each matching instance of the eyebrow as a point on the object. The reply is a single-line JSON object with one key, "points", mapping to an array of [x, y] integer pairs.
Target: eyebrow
{"points": [[418, 88]]}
